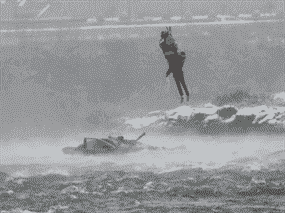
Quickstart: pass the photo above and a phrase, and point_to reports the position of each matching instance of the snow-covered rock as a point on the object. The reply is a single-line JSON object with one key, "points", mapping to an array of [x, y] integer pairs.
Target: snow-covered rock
{"points": [[186, 116]]}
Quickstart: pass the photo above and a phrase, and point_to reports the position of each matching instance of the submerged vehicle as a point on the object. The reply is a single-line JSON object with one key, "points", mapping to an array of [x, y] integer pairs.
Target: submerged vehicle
{"points": [[105, 145]]}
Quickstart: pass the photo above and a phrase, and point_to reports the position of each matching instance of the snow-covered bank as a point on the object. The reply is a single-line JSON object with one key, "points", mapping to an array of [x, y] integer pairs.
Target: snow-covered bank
{"points": [[211, 119]]}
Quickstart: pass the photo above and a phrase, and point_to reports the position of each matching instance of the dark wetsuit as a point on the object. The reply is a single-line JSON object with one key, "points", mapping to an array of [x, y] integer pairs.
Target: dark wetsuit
{"points": [[168, 50], [176, 62]]}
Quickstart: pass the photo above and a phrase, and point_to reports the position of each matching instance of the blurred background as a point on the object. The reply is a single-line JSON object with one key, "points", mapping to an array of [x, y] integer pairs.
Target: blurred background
{"points": [[88, 78], [131, 9], [42, 55]]}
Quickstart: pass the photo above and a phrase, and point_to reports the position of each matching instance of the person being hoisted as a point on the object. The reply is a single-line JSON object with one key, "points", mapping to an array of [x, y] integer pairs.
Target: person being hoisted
{"points": [[175, 59]]}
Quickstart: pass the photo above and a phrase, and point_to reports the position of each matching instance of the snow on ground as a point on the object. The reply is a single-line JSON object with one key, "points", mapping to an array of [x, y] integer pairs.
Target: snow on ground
{"points": [[251, 117]]}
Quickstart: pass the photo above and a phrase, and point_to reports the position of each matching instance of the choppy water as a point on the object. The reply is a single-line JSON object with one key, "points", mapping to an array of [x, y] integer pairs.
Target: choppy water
{"points": [[203, 152], [57, 96]]}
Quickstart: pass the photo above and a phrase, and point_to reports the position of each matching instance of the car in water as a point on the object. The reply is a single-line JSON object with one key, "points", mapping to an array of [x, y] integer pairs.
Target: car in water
{"points": [[105, 145]]}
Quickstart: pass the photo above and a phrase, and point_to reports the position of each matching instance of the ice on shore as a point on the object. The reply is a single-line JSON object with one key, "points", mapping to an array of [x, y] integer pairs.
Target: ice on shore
{"points": [[230, 118]]}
